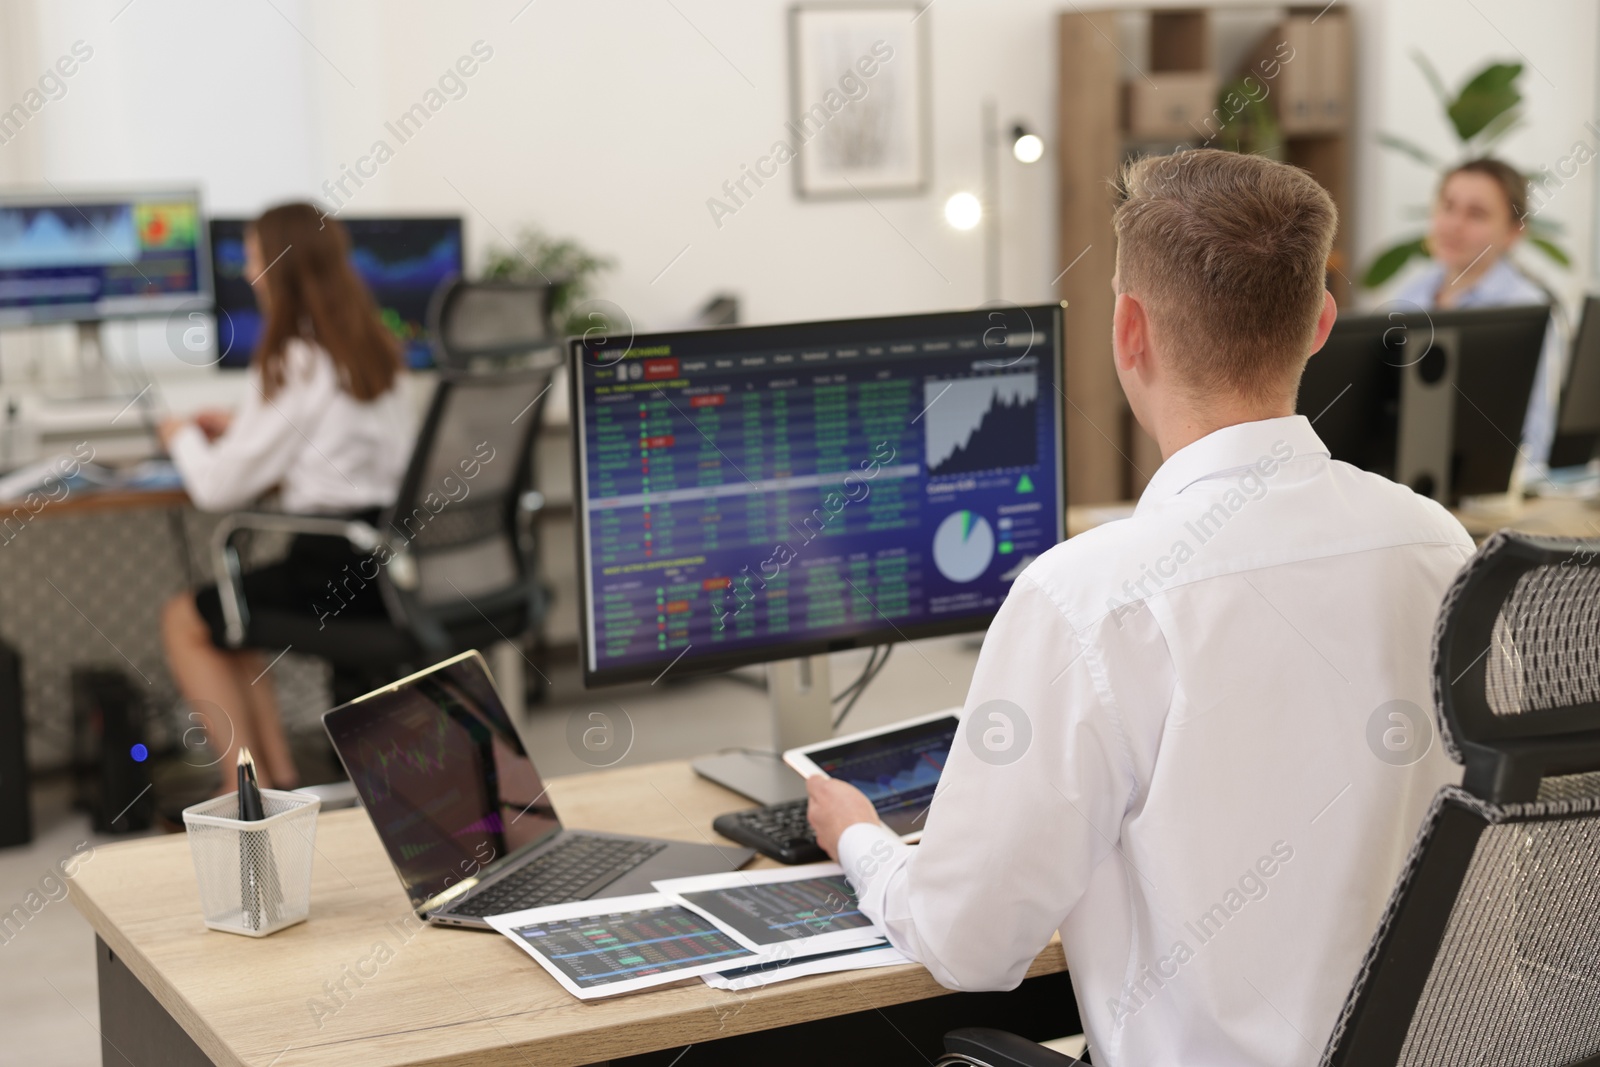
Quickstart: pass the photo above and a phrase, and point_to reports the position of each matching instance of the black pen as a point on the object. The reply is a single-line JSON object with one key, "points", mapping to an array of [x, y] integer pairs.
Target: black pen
{"points": [[253, 900], [250, 809]]}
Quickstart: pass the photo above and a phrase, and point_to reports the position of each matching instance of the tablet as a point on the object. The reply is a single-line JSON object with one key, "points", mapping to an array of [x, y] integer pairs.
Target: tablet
{"points": [[896, 766]]}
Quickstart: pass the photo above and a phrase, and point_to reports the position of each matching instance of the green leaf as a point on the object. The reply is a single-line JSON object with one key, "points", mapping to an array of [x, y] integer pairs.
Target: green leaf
{"points": [[1490, 93], [1389, 262], [1498, 128], [1435, 82], [1552, 250], [1410, 148]]}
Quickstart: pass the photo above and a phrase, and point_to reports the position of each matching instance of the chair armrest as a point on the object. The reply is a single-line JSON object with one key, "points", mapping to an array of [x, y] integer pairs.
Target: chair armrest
{"points": [[225, 559], [985, 1047]]}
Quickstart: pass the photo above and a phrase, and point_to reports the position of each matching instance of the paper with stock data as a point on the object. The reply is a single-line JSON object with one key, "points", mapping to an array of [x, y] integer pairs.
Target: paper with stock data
{"points": [[761, 926]]}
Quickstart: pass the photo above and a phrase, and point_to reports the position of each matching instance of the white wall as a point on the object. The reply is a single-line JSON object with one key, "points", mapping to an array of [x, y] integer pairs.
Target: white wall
{"points": [[614, 120]]}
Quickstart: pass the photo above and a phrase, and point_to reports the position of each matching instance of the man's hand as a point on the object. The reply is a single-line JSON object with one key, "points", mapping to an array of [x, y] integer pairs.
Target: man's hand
{"points": [[834, 807]]}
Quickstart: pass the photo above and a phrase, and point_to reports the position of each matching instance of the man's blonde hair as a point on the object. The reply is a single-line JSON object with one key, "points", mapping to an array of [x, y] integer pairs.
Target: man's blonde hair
{"points": [[1228, 254]]}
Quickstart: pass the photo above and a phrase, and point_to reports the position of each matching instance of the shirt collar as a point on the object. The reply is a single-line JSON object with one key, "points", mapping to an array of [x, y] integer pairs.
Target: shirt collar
{"points": [[1230, 449]]}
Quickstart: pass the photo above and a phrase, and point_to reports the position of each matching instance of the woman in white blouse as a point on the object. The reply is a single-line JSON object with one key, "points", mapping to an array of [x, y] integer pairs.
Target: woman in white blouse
{"points": [[326, 422]]}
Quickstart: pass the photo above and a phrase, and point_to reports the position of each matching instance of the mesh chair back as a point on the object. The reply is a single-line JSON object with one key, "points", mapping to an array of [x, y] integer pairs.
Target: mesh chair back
{"points": [[1517, 665], [454, 519], [473, 322], [1489, 950]]}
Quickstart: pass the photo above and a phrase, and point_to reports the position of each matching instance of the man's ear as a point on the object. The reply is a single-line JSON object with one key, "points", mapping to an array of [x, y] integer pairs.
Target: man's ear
{"points": [[1130, 332], [1325, 320]]}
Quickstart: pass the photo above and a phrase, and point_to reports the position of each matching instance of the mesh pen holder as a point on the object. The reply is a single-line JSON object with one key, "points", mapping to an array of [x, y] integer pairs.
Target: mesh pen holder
{"points": [[255, 877]]}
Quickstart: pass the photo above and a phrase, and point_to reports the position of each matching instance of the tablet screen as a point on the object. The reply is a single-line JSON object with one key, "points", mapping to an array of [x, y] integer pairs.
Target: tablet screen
{"points": [[897, 771]]}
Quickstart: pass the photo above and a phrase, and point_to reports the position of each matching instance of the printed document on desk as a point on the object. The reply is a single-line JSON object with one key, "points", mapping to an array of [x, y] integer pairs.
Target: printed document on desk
{"points": [[804, 910], [611, 945], [769, 971]]}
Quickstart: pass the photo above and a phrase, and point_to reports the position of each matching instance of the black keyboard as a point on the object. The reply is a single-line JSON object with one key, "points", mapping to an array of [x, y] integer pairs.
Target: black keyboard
{"points": [[779, 831], [575, 869]]}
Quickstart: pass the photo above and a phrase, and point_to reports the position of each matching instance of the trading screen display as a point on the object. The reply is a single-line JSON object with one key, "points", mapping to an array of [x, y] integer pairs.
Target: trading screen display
{"points": [[443, 776], [753, 494], [402, 262], [898, 772], [773, 912], [99, 257], [595, 950]]}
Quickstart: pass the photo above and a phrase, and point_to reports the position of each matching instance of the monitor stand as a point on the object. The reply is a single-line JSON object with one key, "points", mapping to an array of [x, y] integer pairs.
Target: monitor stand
{"points": [[91, 372], [1428, 417], [801, 706]]}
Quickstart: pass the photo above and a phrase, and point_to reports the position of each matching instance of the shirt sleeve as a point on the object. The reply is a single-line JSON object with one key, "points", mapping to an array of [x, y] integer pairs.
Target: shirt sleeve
{"points": [[1030, 801], [263, 440]]}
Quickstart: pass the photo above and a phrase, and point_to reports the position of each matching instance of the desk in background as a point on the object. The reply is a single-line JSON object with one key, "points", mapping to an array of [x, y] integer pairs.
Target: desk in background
{"points": [[1548, 516], [82, 583], [323, 993]]}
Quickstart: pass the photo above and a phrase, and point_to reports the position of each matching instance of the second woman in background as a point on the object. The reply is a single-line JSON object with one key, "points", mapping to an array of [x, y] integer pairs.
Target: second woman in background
{"points": [[327, 423]]}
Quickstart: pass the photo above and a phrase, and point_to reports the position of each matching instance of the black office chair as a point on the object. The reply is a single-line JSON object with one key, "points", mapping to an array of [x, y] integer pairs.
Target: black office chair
{"points": [[489, 323], [1489, 949], [459, 555]]}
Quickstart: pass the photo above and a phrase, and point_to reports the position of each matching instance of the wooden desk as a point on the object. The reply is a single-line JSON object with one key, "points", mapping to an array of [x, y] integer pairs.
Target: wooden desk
{"points": [[88, 501], [1550, 516], [446, 996]]}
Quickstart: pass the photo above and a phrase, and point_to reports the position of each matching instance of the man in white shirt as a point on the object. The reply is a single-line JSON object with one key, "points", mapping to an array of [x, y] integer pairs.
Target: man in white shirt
{"points": [[1196, 741]]}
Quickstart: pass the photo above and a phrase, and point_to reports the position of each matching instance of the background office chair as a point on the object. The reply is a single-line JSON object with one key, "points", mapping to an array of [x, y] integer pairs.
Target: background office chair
{"points": [[488, 323], [1489, 949], [458, 551]]}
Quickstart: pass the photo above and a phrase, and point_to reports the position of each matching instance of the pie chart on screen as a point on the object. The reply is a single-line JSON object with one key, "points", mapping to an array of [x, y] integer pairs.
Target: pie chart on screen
{"points": [[963, 546]]}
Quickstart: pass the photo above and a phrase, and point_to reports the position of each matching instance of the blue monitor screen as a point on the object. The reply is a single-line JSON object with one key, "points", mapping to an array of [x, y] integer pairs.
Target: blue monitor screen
{"points": [[771, 492], [101, 256], [402, 261]]}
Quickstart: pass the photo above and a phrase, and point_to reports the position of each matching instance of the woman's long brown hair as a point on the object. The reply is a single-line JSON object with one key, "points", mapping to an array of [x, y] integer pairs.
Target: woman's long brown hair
{"points": [[313, 293]]}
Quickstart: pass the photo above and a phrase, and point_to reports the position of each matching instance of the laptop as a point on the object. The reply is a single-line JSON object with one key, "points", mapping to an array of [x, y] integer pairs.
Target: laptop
{"points": [[463, 812]]}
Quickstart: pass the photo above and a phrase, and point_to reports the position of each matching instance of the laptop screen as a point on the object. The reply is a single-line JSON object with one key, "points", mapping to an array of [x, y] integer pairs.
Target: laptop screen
{"points": [[443, 775]]}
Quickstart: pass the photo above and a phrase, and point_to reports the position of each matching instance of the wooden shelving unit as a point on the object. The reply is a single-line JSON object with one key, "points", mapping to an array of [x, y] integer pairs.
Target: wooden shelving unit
{"points": [[1152, 80]]}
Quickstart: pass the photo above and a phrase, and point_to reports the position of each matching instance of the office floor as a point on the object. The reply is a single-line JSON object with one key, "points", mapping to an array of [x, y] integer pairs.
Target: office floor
{"points": [[47, 979]]}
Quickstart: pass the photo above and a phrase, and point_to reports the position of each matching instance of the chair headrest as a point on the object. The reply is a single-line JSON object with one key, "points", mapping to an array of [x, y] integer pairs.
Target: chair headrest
{"points": [[1516, 649], [491, 320]]}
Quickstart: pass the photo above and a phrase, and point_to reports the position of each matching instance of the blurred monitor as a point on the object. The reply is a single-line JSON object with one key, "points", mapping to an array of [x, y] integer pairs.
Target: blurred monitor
{"points": [[100, 255], [1434, 400], [402, 260], [1578, 424]]}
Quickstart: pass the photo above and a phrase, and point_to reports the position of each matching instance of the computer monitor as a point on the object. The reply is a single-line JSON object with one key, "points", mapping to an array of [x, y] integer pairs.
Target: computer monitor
{"points": [[402, 260], [760, 494], [1434, 400], [1578, 423], [84, 257]]}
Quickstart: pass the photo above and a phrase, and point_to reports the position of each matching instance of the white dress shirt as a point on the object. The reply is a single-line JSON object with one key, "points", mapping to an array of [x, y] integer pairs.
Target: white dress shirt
{"points": [[1503, 285], [1182, 773], [326, 451]]}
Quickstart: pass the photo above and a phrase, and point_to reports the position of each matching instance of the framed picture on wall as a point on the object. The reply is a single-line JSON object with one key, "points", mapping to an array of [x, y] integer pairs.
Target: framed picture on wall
{"points": [[859, 99]]}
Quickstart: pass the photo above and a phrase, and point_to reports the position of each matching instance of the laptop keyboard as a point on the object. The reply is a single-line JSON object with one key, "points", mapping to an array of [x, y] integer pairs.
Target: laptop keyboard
{"points": [[575, 869]]}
